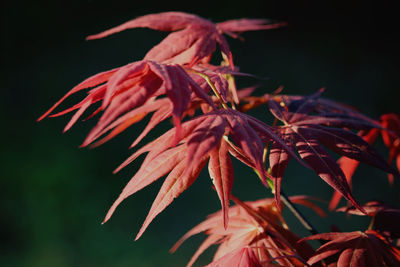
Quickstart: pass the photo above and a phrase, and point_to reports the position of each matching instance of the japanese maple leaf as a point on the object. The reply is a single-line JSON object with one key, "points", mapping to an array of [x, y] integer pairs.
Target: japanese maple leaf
{"points": [[200, 139], [390, 131], [163, 107], [386, 218], [358, 248], [241, 257], [349, 165], [318, 105], [129, 93], [372, 208], [193, 38], [391, 138], [307, 132], [257, 225]]}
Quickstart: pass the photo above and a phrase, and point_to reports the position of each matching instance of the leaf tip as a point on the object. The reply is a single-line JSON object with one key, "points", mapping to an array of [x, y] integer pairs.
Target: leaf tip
{"points": [[91, 37], [105, 220], [41, 117], [83, 145], [139, 234]]}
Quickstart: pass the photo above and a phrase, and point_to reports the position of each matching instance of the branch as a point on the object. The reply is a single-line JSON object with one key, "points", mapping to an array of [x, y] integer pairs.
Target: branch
{"points": [[303, 220]]}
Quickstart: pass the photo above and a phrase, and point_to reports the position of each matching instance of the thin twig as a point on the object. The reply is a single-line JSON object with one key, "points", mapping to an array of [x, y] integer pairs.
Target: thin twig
{"points": [[303, 220]]}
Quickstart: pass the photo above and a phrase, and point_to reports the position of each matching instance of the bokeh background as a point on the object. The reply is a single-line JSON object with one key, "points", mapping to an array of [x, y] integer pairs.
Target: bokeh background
{"points": [[53, 195]]}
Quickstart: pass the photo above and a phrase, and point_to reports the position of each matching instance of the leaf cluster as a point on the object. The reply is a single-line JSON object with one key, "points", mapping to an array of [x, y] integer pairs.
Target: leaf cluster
{"points": [[175, 80]]}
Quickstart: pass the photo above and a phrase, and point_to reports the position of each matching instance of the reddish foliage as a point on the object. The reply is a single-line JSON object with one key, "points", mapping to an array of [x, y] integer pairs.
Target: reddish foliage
{"points": [[129, 93], [390, 131], [257, 226], [175, 80], [199, 140], [391, 138], [356, 249], [193, 38], [241, 257], [307, 132], [385, 218]]}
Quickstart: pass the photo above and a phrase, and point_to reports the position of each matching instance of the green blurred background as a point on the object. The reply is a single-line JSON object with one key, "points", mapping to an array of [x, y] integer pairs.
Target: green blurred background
{"points": [[55, 195]]}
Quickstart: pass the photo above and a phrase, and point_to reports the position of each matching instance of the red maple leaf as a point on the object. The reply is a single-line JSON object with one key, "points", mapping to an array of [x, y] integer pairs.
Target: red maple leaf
{"points": [[241, 257], [200, 139], [391, 138], [193, 38], [390, 131], [307, 132], [385, 218], [174, 80], [349, 165], [356, 249], [255, 225], [129, 93]]}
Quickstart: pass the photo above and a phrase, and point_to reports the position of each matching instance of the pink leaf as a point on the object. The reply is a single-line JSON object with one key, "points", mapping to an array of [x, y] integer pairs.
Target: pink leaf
{"points": [[221, 172], [90, 82], [193, 38], [175, 183], [148, 173], [241, 257]]}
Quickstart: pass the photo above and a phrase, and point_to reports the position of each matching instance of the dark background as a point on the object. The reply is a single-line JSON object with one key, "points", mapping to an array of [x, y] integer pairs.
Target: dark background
{"points": [[53, 196]]}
